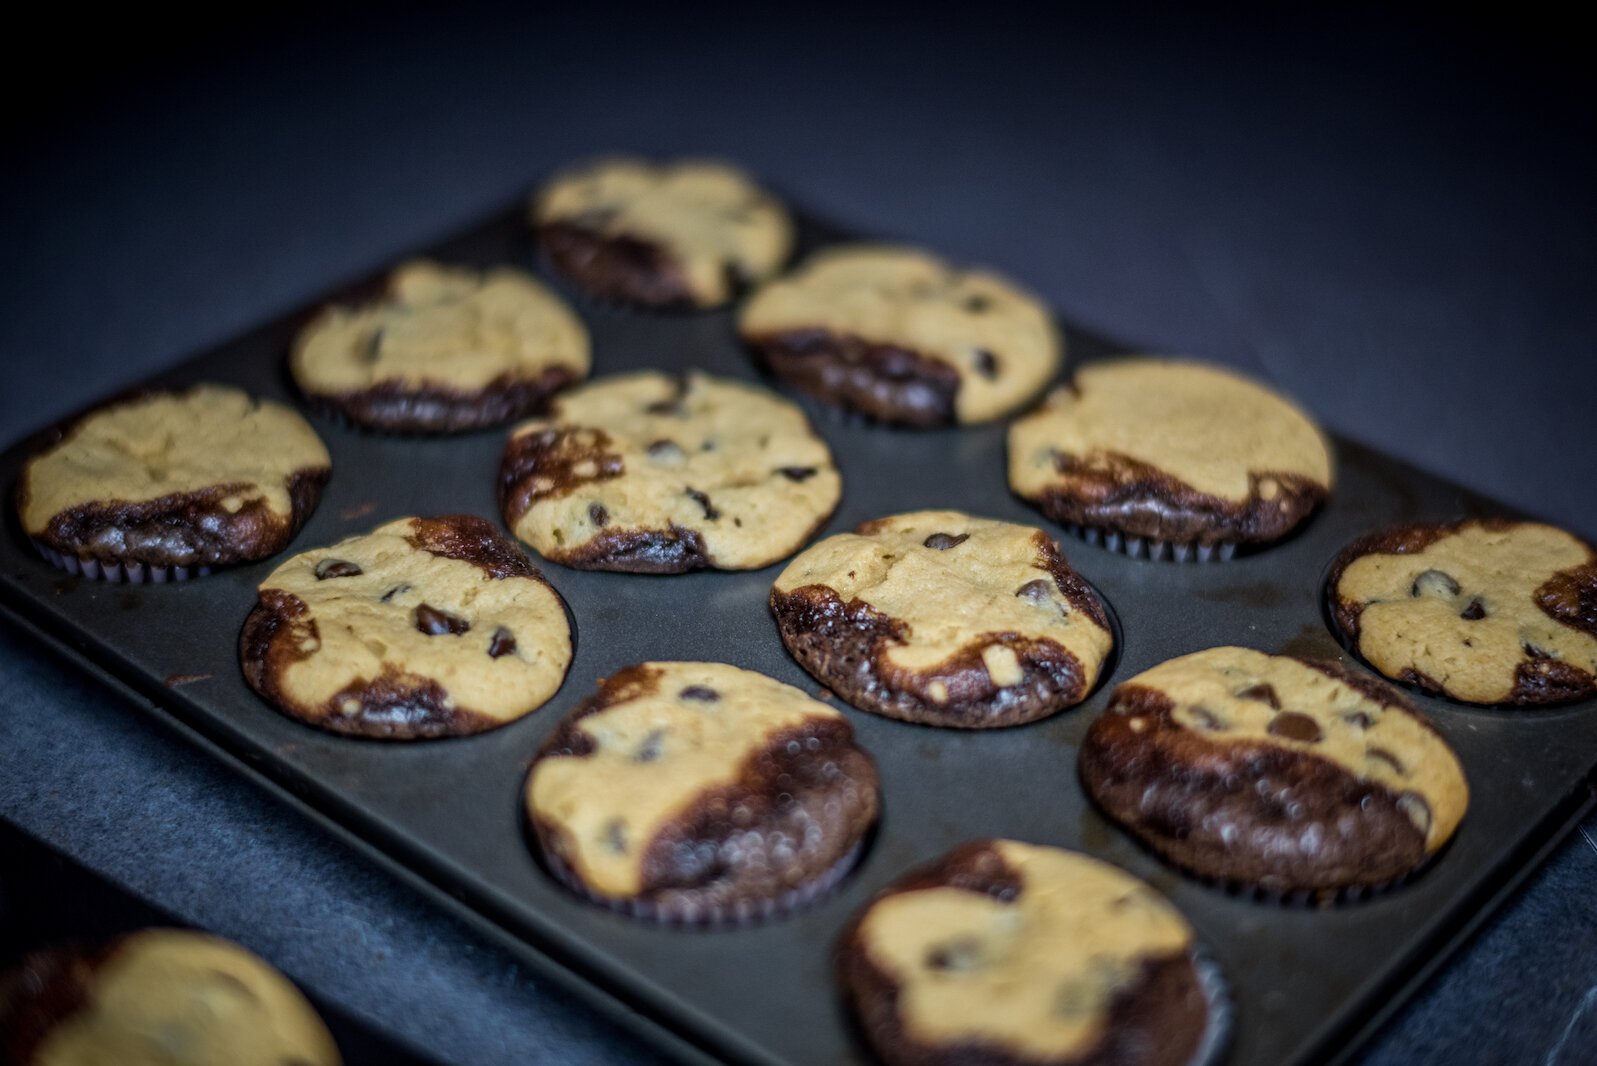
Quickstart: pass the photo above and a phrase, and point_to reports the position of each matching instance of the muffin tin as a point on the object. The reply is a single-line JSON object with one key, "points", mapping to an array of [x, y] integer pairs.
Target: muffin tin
{"points": [[1307, 983]]}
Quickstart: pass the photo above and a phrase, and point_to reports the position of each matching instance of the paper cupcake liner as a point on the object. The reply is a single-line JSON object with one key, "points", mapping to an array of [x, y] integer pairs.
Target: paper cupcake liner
{"points": [[691, 913], [119, 572], [1222, 1012], [1306, 898], [1151, 547]]}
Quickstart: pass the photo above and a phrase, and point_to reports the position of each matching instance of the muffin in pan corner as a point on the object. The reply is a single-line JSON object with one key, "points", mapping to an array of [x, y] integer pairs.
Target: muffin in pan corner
{"points": [[163, 485]]}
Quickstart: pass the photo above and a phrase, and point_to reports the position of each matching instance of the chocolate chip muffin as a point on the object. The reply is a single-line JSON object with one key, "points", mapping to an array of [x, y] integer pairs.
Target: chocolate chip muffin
{"points": [[1010, 954], [164, 485], [944, 619], [447, 348], [654, 474], [425, 627], [1282, 774], [689, 233], [901, 336], [1487, 611], [1171, 459], [699, 792], [158, 997]]}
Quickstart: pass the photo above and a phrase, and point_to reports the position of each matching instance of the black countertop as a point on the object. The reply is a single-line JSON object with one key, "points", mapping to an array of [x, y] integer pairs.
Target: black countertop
{"points": [[1390, 218]]}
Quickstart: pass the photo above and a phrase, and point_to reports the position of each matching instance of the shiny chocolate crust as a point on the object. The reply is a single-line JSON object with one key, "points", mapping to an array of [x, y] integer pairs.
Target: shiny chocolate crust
{"points": [[182, 529], [845, 646], [1569, 596], [622, 268], [43, 990], [1140, 500], [1158, 1020], [399, 408], [886, 382], [392, 706], [1246, 812], [727, 849]]}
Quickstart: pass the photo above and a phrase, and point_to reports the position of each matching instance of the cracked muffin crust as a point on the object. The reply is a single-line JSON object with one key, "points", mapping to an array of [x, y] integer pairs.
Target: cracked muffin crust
{"points": [[425, 627], [897, 334], [940, 618], [447, 348], [157, 997], [1281, 773], [1010, 954], [1180, 452], [655, 474], [1487, 611], [688, 791], [689, 233], [202, 477]]}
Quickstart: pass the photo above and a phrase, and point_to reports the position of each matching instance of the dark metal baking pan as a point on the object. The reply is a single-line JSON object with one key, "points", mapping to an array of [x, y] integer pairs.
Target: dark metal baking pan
{"points": [[1307, 983]]}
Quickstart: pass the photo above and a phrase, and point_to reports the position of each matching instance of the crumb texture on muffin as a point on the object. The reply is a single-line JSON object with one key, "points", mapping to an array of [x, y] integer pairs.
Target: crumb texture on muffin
{"points": [[689, 232], [702, 779], [651, 473], [940, 617], [902, 336], [423, 627], [1274, 771], [206, 475], [1003, 952], [446, 347], [1169, 449], [1489, 612]]}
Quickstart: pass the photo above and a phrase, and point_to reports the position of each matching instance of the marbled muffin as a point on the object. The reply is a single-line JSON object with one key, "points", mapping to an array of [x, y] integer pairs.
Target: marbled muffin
{"points": [[699, 792], [941, 618], [1168, 457], [690, 233], [650, 473], [1485, 611], [158, 997], [425, 627], [897, 334], [164, 484], [1283, 774], [1009, 954], [447, 348]]}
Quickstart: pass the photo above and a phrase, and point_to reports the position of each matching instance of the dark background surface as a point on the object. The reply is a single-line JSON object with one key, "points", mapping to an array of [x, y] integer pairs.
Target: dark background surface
{"points": [[1390, 216]]}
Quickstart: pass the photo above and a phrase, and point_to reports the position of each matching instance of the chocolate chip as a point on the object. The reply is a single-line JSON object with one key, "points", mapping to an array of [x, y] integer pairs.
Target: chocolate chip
{"points": [[1418, 811], [652, 746], [943, 541], [1536, 653], [796, 473], [976, 303], [503, 643], [666, 451], [1035, 591], [1474, 612], [1434, 583], [1295, 726], [397, 590], [710, 512], [962, 954], [1357, 719], [435, 623], [1382, 755], [671, 405], [597, 514], [986, 364], [336, 568], [374, 346], [1207, 719], [1262, 691], [615, 836], [702, 693]]}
